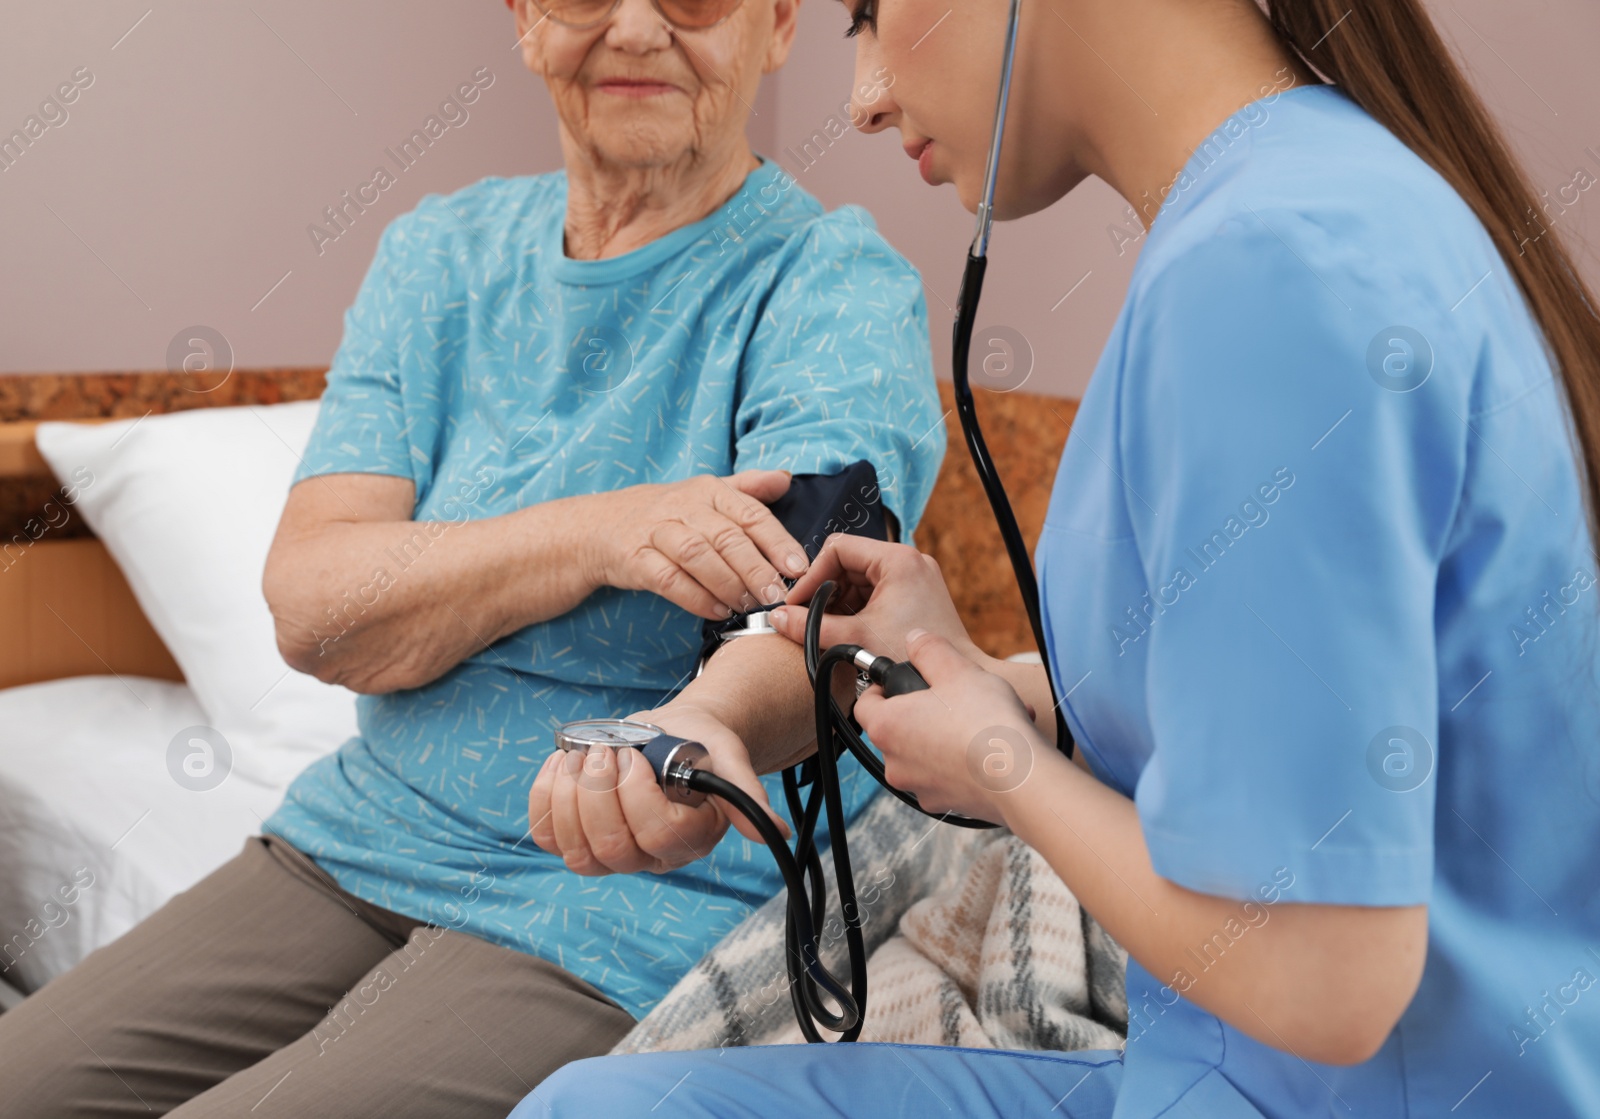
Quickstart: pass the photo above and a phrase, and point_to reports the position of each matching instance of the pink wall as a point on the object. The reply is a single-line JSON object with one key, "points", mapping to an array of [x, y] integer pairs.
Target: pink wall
{"points": [[179, 189], [1534, 61], [213, 136]]}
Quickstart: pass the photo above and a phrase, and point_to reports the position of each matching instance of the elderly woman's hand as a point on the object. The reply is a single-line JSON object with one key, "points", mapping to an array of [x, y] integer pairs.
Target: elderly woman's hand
{"points": [[603, 812], [708, 544]]}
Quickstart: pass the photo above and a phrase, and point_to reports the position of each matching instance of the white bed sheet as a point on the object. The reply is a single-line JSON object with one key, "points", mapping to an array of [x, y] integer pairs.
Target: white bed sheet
{"points": [[95, 832]]}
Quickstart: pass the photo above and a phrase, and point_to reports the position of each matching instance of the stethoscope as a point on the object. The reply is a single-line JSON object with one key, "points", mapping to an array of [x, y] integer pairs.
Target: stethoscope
{"points": [[966, 315], [680, 765]]}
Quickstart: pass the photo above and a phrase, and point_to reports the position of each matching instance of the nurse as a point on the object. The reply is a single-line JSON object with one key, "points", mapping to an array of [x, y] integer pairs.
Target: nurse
{"points": [[1318, 580]]}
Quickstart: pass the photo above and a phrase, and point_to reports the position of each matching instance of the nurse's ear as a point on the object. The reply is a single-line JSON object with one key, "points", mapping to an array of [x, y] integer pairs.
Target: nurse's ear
{"points": [[785, 20]]}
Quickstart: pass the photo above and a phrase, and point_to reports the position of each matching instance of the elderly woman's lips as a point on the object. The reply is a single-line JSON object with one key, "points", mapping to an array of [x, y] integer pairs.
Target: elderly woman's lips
{"points": [[627, 88]]}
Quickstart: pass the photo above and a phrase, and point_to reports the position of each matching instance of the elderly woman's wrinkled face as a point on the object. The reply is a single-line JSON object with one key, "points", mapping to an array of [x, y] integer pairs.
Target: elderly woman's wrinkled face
{"points": [[637, 92]]}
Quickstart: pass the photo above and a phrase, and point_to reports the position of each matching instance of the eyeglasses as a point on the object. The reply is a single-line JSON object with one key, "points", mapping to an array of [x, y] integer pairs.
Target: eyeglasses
{"points": [[685, 15]]}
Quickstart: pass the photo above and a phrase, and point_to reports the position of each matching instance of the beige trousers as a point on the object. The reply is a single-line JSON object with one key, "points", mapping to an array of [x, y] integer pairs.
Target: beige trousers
{"points": [[267, 991]]}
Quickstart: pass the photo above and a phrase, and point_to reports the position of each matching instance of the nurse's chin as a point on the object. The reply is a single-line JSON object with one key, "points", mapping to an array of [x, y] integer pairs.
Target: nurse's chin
{"points": [[1021, 195]]}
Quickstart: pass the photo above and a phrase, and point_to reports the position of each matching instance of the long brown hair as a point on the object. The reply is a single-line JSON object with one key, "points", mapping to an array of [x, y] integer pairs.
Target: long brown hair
{"points": [[1387, 55]]}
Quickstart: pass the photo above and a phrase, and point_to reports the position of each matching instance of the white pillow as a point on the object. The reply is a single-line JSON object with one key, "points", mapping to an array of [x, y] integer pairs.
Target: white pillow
{"points": [[187, 505], [101, 820]]}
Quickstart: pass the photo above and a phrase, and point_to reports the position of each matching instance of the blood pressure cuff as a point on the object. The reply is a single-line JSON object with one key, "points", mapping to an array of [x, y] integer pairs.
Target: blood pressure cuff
{"points": [[814, 507]]}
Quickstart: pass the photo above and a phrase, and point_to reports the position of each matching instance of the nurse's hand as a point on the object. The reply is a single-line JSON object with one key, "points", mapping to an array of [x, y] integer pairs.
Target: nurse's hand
{"points": [[966, 744], [707, 544], [884, 590], [603, 812]]}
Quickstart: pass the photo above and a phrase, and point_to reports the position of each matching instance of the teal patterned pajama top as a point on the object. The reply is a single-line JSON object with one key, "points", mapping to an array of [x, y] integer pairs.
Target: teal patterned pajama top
{"points": [[496, 373]]}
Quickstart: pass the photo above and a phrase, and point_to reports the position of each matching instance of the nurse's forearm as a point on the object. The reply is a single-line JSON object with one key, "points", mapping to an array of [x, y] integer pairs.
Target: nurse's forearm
{"points": [[1325, 982], [1031, 684]]}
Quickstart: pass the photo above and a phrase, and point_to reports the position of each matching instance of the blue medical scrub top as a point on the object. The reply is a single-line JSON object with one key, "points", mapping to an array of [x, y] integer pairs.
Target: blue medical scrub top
{"points": [[1318, 583], [495, 372]]}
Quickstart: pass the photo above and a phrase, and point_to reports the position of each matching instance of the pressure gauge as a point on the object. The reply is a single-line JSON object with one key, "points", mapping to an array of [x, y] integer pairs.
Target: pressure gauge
{"points": [[606, 732], [672, 759]]}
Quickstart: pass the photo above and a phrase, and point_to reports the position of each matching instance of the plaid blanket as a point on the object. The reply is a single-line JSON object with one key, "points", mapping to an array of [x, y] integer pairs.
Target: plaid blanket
{"points": [[972, 939]]}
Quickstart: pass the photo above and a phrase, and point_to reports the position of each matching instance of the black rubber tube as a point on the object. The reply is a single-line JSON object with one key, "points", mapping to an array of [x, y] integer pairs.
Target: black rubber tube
{"points": [[967, 412], [808, 978], [846, 728]]}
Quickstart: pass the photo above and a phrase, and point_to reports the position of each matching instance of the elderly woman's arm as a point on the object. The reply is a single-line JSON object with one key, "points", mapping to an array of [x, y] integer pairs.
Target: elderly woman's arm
{"points": [[752, 708], [366, 597]]}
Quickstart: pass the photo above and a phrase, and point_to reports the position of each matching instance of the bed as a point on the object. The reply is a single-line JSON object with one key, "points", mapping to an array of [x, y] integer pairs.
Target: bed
{"points": [[147, 725]]}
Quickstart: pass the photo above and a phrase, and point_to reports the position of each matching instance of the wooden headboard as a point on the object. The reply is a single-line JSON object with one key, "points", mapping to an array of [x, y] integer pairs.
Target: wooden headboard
{"points": [[66, 610]]}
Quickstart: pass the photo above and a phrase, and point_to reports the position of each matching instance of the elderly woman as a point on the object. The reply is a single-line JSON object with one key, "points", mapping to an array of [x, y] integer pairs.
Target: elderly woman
{"points": [[558, 408]]}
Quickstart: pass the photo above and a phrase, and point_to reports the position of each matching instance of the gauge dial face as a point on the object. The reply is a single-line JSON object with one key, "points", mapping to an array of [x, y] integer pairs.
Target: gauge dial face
{"points": [[606, 732]]}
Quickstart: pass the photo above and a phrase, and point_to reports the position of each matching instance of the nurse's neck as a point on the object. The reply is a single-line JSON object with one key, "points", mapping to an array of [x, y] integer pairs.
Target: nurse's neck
{"points": [[1145, 82]]}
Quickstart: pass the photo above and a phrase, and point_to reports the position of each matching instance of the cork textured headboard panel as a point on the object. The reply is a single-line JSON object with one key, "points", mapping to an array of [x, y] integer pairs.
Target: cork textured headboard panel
{"points": [[65, 609]]}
